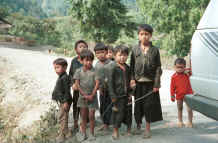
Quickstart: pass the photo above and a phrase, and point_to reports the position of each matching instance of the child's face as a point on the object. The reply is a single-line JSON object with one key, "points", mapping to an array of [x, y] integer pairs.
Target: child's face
{"points": [[144, 36], [120, 58], [59, 69], [179, 68], [110, 54], [125, 56], [87, 63], [80, 47], [101, 55]]}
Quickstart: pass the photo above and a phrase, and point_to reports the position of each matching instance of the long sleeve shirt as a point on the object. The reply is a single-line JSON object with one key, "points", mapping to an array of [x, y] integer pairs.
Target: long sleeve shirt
{"points": [[61, 92], [146, 66], [75, 64], [180, 85]]}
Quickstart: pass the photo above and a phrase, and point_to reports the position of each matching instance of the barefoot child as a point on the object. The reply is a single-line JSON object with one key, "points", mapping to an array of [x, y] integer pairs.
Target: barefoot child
{"points": [[145, 66], [62, 95], [179, 87], [87, 83], [102, 66], [76, 64], [118, 90]]}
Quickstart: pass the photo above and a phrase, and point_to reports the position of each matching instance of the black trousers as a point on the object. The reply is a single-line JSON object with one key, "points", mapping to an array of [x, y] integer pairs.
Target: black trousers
{"points": [[124, 113], [76, 109], [150, 107], [105, 108]]}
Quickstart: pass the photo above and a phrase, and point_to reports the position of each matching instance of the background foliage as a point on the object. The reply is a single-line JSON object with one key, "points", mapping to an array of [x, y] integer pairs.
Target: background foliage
{"points": [[62, 22], [102, 20], [176, 19]]}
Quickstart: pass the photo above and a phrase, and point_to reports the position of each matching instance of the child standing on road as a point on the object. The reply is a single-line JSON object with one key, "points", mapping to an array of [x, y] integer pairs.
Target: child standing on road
{"points": [[102, 66], [179, 87], [76, 64], [62, 95], [87, 83], [145, 66], [119, 88]]}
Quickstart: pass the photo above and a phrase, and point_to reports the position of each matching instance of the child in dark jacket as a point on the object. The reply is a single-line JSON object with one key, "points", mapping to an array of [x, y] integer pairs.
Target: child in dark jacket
{"points": [[76, 64], [118, 90], [62, 95]]}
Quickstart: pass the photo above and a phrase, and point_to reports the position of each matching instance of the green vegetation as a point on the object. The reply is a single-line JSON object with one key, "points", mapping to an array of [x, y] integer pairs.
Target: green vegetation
{"points": [[45, 130], [62, 22], [102, 20], [177, 20]]}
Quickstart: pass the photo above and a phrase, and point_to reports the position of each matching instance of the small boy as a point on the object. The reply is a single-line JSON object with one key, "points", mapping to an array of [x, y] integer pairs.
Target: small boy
{"points": [[119, 88], [76, 64], [61, 94], [87, 83], [102, 66], [180, 86], [110, 53]]}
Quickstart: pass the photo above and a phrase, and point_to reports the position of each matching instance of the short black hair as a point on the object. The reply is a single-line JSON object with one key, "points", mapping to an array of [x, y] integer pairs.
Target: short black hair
{"points": [[122, 49], [145, 27], [100, 46], [86, 53], [109, 47], [80, 41], [60, 61], [180, 61]]}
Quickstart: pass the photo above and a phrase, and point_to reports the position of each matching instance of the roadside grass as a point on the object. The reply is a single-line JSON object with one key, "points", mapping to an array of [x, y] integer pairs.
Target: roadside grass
{"points": [[45, 129]]}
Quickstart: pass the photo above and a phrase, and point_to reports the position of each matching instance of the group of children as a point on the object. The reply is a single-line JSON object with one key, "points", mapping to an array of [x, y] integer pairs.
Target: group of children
{"points": [[117, 83]]}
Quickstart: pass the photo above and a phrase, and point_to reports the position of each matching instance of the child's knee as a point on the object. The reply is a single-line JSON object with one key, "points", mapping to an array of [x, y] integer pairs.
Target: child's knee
{"points": [[91, 117]]}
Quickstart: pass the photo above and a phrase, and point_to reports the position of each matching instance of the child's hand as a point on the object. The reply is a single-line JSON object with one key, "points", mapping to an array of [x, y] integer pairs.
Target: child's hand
{"points": [[90, 97], [75, 87], [173, 98], [130, 98], [132, 84], [155, 89], [113, 100]]}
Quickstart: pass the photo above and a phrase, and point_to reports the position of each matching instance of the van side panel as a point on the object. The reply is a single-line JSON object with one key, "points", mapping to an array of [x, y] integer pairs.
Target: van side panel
{"points": [[204, 58]]}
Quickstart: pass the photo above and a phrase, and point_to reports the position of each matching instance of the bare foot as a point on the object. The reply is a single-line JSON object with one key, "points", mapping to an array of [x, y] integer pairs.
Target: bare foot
{"points": [[115, 136], [100, 128], [180, 124], [189, 125]]}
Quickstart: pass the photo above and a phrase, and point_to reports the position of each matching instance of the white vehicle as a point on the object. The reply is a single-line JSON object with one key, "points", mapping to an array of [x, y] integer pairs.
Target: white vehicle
{"points": [[204, 63]]}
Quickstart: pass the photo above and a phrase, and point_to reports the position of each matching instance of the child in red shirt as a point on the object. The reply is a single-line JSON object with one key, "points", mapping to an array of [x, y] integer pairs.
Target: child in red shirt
{"points": [[179, 87]]}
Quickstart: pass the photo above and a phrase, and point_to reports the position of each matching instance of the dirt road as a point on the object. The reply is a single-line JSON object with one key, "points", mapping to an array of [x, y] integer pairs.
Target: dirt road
{"points": [[28, 78]]}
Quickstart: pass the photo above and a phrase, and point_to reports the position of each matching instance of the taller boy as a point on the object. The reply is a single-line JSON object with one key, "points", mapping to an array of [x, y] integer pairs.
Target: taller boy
{"points": [[145, 66], [76, 64]]}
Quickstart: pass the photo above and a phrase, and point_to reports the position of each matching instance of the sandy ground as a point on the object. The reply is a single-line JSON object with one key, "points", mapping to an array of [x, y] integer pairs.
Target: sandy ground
{"points": [[28, 78]]}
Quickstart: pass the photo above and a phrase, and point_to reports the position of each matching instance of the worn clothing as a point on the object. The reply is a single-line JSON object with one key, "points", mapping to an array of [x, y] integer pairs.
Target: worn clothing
{"points": [[118, 89], [180, 86], [117, 83], [63, 119], [87, 81], [61, 92], [102, 71], [150, 106], [105, 108], [105, 100], [147, 66], [76, 110], [75, 64], [146, 70]]}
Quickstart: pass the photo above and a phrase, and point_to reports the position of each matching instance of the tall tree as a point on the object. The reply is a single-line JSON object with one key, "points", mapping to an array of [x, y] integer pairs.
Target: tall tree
{"points": [[177, 19], [102, 20]]}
